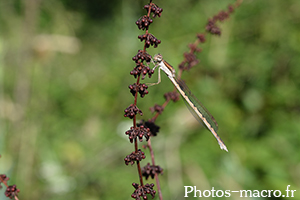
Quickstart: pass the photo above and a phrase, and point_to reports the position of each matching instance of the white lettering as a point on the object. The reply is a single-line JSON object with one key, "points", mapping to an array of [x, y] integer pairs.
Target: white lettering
{"points": [[213, 192], [269, 193], [246, 192], [287, 191], [279, 193], [221, 192], [209, 193], [186, 192], [243, 193], [195, 192], [293, 192], [228, 194], [263, 192]]}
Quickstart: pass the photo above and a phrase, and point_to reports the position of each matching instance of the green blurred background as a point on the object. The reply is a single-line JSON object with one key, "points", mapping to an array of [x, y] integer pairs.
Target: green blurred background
{"points": [[64, 76]]}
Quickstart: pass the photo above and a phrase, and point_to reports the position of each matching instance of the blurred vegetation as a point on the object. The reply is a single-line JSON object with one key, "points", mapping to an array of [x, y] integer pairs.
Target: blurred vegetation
{"points": [[64, 72]]}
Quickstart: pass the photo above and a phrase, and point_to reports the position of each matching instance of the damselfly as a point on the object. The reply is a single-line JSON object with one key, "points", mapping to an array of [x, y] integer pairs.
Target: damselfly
{"points": [[192, 101]]}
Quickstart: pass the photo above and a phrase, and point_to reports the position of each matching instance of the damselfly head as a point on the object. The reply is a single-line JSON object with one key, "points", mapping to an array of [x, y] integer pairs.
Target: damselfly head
{"points": [[157, 58]]}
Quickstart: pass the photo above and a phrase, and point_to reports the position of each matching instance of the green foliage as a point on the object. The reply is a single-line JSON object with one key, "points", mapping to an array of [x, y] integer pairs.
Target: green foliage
{"points": [[62, 100]]}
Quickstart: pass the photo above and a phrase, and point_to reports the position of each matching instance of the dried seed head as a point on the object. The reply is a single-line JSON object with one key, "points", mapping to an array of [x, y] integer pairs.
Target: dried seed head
{"points": [[3, 178], [174, 96], [151, 170], [144, 22], [212, 28], [11, 191], [201, 37], [131, 111], [140, 68], [140, 132], [142, 56], [157, 108], [134, 156], [142, 191], [140, 88], [189, 62], [149, 40], [154, 129], [154, 9]]}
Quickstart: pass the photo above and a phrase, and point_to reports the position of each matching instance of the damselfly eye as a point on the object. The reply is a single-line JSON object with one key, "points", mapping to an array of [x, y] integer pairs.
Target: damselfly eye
{"points": [[157, 58]]}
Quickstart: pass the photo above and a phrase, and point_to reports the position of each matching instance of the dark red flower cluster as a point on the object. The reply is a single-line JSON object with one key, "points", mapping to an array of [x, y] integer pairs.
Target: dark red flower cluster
{"points": [[174, 96], [151, 170], [142, 56], [189, 62], [131, 111], [140, 88], [154, 129], [141, 69], [140, 132], [144, 22], [134, 156], [142, 191], [154, 9], [211, 26], [157, 108], [11, 191], [3, 178], [201, 37], [149, 40]]}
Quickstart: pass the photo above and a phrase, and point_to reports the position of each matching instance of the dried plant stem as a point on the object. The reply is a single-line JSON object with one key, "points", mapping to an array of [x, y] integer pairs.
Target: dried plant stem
{"points": [[156, 175], [138, 163]]}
